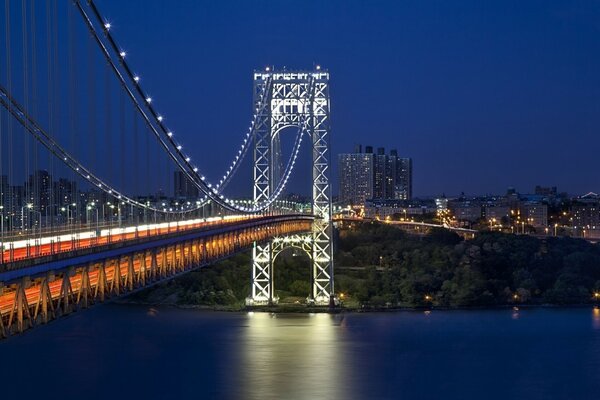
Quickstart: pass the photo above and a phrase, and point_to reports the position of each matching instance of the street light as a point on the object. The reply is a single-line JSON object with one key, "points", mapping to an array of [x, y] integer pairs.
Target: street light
{"points": [[28, 206], [90, 207], [119, 212], [104, 212], [39, 213], [69, 212]]}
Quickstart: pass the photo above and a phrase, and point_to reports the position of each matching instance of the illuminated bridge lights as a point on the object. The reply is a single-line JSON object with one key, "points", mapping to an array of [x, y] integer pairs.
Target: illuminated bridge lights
{"points": [[48, 245], [30, 300], [90, 268]]}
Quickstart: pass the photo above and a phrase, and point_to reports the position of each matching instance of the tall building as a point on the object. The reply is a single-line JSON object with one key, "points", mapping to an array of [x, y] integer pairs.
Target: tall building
{"points": [[183, 187], [65, 192], [366, 176], [393, 176], [381, 175], [403, 179], [39, 187], [356, 177], [4, 191]]}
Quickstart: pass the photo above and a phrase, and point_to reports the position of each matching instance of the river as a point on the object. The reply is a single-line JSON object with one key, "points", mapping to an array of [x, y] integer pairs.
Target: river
{"points": [[123, 351]]}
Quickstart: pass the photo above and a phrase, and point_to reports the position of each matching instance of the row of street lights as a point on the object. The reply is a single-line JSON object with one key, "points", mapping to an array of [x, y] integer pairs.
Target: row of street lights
{"points": [[110, 211]]}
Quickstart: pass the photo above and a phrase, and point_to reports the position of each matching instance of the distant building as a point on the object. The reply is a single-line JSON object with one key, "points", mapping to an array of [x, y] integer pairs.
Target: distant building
{"points": [[184, 188], [356, 177], [534, 214], [365, 176], [497, 212], [403, 183], [4, 192], [441, 203], [401, 209], [585, 211], [65, 192], [465, 210], [382, 178], [38, 189], [546, 191]]}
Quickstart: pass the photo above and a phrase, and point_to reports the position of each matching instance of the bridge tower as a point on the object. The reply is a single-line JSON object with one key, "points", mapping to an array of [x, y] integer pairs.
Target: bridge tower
{"points": [[294, 99]]}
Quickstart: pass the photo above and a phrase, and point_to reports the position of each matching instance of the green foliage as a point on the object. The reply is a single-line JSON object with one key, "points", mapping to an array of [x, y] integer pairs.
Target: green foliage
{"points": [[380, 265], [492, 269], [300, 288], [225, 283], [292, 266]]}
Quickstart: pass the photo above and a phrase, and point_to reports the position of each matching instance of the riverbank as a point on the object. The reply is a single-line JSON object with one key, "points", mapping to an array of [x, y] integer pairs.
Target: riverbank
{"points": [[305, 309], [280, 309], [379, 267]]}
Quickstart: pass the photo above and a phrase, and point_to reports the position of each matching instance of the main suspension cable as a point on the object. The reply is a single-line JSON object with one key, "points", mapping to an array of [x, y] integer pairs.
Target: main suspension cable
{"points": [[198, 180]]}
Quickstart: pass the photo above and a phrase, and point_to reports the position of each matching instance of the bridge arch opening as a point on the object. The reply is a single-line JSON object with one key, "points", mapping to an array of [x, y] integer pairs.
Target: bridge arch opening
{"points": [[291, 275]]}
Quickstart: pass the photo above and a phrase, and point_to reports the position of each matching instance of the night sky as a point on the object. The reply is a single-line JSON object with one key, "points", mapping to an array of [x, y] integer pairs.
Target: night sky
{"points": [[481, 94]]}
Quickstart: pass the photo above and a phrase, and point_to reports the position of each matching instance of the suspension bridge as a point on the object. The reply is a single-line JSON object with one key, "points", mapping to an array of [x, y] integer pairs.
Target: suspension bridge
{"points": [[88, 162]]}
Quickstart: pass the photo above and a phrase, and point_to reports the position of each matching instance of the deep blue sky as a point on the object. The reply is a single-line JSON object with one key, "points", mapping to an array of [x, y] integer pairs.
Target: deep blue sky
{"points": [[481, 94]]}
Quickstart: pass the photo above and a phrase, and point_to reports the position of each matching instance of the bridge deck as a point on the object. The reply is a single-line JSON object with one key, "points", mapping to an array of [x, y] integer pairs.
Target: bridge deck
{"points": [[26, 249], [42, 291]]}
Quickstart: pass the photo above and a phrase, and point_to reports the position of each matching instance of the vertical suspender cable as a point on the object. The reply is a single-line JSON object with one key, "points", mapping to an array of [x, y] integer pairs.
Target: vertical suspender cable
{"points": [[26, 216], [92, 143], [52, 200], [71, 79], [39, 185], [3, 185], [108, 129], [121, 149], [55, 85], [136, 162], [9, 125]]}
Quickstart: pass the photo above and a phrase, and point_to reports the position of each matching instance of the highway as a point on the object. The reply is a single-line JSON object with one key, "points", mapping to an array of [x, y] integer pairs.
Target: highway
{"points": [[16, 250]]}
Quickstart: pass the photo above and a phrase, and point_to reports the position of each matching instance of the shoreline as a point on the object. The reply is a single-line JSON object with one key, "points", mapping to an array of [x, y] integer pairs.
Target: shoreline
{"points": [[295, 309]]}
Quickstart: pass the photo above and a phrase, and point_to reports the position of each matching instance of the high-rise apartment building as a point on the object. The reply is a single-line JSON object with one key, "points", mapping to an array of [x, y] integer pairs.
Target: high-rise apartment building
{"points": [[183, 187], [366, 176], [356, 177], [403, 180], [38, 188]]}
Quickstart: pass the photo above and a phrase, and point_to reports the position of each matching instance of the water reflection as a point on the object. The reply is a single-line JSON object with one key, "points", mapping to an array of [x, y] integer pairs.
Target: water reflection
{"points": [[292, 357], [515, 313], [596, 317]]}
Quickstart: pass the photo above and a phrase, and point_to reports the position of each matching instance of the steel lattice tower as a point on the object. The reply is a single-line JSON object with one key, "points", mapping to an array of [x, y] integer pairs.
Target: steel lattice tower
{"points": [[295, 99]]}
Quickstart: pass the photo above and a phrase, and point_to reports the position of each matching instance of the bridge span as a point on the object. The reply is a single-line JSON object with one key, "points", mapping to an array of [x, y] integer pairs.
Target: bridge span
{"points": [[52, 280], [114, 158]]}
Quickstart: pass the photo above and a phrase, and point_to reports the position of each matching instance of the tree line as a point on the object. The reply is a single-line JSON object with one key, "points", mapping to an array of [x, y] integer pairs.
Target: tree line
{"points": [[378, 265], [442, 269]]}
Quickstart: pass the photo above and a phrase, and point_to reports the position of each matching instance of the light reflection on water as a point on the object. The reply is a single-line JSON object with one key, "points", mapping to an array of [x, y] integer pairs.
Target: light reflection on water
{"points": [[596, 318], [164, 353], [292, 357]]}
